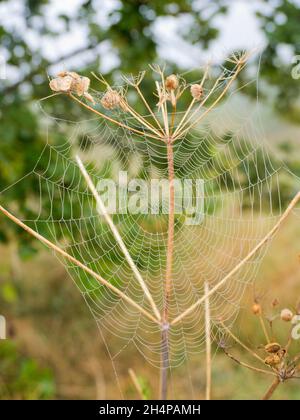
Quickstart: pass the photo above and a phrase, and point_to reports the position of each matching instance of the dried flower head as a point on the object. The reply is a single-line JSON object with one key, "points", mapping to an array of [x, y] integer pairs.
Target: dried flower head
{"points": [[272, 347], [256, 309], [111, 99], [197, 92], [61, 84], [286, 315], [272, 360], [172, 82], [71, 82]]}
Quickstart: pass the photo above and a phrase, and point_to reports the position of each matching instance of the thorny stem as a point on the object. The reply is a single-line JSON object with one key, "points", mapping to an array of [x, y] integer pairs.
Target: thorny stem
{"points": [[272, 389]]}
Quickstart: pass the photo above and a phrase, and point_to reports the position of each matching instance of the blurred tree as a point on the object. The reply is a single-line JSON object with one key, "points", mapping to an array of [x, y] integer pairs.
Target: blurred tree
{"points": [[129, 31], [280, 23]]}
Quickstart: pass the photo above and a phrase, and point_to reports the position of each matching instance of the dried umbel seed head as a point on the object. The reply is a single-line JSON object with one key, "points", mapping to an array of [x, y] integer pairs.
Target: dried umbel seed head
{"points": [[111, 99], [273, 360], [272, 347], [81, 85], [281, 353], [286, 315], [256, 309], [71, 82], [61, 84], [197, 92], [172, 82]]}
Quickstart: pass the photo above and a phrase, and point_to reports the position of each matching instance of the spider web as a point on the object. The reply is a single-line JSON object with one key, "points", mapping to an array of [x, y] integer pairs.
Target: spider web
{"points": [[242, 201]]}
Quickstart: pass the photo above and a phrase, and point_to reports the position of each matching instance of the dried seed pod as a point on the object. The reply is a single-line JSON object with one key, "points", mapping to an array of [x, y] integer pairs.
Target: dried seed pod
{"points": [[69, 81], [281, 353], [256, 309], [272, 360], [275, 302], [272, 347], [81, 85], [111, 99], [286, 315], [197, 92], [61, 84], [172, 82]]}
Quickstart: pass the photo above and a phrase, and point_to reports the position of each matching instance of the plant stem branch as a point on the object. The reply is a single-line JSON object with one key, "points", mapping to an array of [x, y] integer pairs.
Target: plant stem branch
{"points": [[191, 104], [222, 94], [168, 279], [106, 117], [79, 264], [237, 340], [102, 211], [272, 389], [255, 369], [148, 107], [208, 343], [221, 283]]}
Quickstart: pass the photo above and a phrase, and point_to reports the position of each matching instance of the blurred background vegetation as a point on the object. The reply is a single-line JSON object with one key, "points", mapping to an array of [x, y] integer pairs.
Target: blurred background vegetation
{"points": [[51, 354]]}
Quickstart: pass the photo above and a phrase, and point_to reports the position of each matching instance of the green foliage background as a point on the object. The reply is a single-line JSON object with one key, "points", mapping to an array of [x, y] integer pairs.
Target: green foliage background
{"points": [[129, 32]]}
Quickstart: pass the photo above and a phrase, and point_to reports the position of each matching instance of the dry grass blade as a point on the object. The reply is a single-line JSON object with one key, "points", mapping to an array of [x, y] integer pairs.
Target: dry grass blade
{"points": [[136, 384]]}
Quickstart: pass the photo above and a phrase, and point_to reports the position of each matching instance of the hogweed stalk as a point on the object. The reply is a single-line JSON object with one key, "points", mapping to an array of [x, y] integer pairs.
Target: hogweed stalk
{"points": [[168, 92]]}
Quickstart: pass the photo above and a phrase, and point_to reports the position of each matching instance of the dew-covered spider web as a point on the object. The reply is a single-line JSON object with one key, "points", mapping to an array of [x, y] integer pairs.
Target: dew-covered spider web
{"points": [[246, 187]]}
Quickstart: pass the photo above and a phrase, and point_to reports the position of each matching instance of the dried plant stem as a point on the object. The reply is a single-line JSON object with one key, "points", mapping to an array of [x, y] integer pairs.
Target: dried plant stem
{"points": [[255, 369], [168, 279], [139, 118], [208, 343], [272, 389], [263, 326], [191, 104], [101, 209], [106, 117], [148, 107], [221, 283], [182, 132], [136, 383], [237, 340], [170, 245], [78, 263], [198, 108]]}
